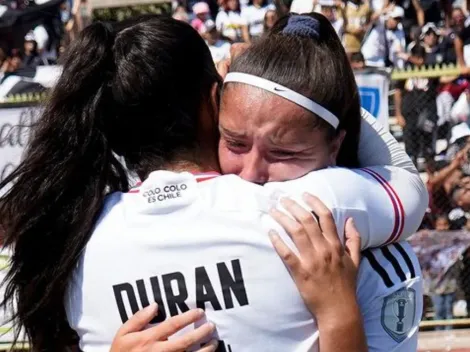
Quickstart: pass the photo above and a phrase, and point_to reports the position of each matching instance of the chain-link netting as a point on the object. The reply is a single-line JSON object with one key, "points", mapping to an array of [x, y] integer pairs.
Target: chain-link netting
{"points": [[428, 115]]}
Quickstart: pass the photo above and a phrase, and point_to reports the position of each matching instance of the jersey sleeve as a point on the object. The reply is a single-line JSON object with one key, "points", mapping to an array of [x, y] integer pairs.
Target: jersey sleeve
{"points": [[386, 203], [377, 146], [390, 296]]}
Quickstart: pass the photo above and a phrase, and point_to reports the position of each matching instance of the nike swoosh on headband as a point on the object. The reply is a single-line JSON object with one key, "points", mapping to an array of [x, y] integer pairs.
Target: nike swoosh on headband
{"points": [[286, 93]]}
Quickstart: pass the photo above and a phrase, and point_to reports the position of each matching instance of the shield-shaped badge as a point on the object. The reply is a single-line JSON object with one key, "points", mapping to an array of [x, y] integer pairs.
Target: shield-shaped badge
{"points": [[370, 99], [398, 313]]}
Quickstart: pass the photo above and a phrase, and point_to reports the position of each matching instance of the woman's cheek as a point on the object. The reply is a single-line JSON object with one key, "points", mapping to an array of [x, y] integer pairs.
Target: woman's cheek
{"points": [[230, 163], [287, 171]]}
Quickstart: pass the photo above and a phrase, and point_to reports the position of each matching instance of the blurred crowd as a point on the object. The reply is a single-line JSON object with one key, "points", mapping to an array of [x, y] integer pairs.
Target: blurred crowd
{"points": [[44, 39]]}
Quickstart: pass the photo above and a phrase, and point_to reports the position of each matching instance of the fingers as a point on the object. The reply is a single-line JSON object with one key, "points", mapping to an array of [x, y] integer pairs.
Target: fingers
{"points": [[187, 340], [288, 257], [237, 49], [174, 324], [223, 67], [352, 242], [304, 217], [139, 320], [209, 347], [295, 229], [325, 218]]}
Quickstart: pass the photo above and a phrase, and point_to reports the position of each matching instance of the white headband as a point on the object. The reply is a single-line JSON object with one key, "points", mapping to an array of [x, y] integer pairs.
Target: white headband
{"points": [[284, 92]]}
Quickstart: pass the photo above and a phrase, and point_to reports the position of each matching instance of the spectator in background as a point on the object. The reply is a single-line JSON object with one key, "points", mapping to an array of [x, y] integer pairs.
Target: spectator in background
{"points": [[435, 52], [270, 18], [414, 13], [219, 48], [31, 58], [180, 14], [358, 14], [443, 295], [202, 11], [456, 23], [459, 141], [254, 15], [386, 41], [433, 10], [80, 18], [10, 66], [377, 7], [303, 6], [438, 53], [442, 223], [461, 197], [230, 23], [414, 36], [441, 176], [415, 104], [357, 61], [462, 37], [465, 276], [43, 42], [334, 11]]}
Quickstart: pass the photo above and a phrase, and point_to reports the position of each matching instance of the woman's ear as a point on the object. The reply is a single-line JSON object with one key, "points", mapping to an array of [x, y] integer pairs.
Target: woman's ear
{"points": [[215, 101], [335, 146]]}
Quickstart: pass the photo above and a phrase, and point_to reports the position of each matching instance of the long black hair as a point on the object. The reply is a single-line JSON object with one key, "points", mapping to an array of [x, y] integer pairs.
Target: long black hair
{"points": [[135, 91], [315, 67]]}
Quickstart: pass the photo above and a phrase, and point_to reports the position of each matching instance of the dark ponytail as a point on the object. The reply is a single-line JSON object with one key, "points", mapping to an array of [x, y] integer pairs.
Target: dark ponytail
{"points": [[136, 90], [58, 191]]}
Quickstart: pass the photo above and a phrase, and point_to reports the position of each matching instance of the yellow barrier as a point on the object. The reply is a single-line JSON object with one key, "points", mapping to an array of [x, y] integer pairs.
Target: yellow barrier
{"points": [[449, 322], [427, 72], [25, 98]]}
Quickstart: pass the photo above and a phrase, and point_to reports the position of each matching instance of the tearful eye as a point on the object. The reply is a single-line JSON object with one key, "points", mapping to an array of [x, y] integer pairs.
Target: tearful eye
{"points": [[236, 146], [283, 153]]}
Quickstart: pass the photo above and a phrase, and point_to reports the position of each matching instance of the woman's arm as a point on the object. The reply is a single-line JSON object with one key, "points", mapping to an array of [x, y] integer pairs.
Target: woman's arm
{"points": [[377, 146], [419, 12], [245, 34], [387, 203], [437, 179], [458, 46]]}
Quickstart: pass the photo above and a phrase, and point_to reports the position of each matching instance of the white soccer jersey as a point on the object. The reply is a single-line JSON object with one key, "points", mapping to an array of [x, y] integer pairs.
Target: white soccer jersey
{"points": [[185, 243]]}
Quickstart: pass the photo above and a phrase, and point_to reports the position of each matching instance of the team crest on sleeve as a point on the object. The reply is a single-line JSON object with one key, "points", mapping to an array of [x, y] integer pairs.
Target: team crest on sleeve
{"points": [[398, 313]]}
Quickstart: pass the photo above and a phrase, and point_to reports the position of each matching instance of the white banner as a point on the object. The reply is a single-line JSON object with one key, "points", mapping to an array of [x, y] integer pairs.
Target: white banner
{"points": [[373, 88], [15, 129]]}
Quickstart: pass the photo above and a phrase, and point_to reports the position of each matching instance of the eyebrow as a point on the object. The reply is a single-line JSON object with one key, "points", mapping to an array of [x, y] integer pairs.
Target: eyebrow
{"points": [[232, 134], [293, 144]]}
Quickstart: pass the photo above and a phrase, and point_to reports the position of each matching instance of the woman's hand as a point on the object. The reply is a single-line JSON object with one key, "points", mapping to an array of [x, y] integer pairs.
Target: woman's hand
{"points": [[132, 337], [236, 49], [325, 273]]}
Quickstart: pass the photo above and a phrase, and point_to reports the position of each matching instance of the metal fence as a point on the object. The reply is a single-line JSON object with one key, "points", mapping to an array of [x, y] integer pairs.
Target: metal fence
{"points": [[428, 115]]}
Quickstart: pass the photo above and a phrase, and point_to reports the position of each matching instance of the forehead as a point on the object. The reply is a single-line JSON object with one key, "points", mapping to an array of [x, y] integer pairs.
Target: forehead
{"points": [[249, 109]]}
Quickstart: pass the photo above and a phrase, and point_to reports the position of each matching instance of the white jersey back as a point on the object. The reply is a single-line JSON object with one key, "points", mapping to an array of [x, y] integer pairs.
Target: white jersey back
{"points": [[189, 241]]}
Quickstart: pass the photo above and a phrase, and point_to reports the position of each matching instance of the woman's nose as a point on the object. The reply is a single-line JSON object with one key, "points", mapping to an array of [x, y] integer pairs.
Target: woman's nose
{"points": [[255, 168]]}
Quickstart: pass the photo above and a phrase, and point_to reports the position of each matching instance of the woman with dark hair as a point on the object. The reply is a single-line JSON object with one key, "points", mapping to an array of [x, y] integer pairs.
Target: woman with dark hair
{"points": [[230, 22], [254, 15], [68, 234], [270, 18]]}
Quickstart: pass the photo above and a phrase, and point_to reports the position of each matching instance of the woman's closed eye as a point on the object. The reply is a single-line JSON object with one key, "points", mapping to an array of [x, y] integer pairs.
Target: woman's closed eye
{"points": [[283, 154], [237, 146]]}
